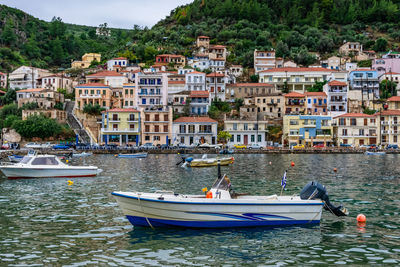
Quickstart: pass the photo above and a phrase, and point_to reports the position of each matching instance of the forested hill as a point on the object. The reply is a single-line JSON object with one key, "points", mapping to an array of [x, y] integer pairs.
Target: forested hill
{"points": [[293, 27]]}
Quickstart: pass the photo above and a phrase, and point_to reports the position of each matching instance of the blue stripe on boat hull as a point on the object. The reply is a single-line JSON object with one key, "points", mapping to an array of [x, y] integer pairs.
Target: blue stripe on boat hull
{"points": [[141, 221]]}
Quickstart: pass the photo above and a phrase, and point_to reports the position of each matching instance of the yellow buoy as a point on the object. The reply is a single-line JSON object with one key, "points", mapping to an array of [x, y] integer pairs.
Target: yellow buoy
{"points": [[70, 182], [204, 189], [66, 161]]}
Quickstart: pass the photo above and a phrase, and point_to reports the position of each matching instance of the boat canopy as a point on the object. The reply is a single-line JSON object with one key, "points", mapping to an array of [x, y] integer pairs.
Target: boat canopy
{"points": [[45, 161], [223, 183]]}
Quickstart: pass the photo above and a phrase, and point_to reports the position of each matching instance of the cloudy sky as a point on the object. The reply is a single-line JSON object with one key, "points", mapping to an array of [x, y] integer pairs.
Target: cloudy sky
{"points": [[117, 13]]}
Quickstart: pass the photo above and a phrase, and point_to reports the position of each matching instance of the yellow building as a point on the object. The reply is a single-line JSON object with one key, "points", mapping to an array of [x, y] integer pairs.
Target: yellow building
{"points": [[309, 130], [356, 129], [157, 125], [120, 126], [394, 102], [86, 60], [92, 94]]}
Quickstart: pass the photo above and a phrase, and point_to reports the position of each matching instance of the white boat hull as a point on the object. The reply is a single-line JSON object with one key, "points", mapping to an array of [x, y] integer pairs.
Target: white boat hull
{"points": [[14, 172], [163, 210]]}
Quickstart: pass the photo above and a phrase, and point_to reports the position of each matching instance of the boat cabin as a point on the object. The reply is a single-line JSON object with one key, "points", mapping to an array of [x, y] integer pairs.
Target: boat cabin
{"points": [[41, 160]]}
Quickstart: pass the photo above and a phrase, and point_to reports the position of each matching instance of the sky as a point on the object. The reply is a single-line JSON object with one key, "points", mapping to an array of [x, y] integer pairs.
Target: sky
{"points": [[117, 13]]}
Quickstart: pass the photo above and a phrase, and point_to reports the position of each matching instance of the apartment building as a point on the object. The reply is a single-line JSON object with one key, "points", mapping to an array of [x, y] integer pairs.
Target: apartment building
{"points": [[356, 129], [194, 130], [389, 127], [152, 90], [92, 94], [156, 125], [295, 103], [265, 60], [316, 103], [243, 90], [246, 131], [336, 92]]}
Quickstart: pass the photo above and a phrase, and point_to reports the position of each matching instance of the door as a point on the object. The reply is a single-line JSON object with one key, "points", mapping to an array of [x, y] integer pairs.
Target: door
{"points": [[246, 139]]}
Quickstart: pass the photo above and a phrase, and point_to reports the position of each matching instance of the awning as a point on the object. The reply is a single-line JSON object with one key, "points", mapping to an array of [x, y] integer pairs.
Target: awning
{"points": [[17, 76]]}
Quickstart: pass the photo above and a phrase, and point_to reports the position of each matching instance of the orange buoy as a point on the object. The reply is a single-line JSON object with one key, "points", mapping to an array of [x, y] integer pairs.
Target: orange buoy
{"points": [[361, 218], [209, 194], [292, 164], [334, 169]]}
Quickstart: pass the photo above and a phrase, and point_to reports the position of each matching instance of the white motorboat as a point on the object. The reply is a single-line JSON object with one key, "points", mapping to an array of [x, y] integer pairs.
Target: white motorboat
{"points": [[378, 153], [222, 208], [41, 166], [81, 155]]}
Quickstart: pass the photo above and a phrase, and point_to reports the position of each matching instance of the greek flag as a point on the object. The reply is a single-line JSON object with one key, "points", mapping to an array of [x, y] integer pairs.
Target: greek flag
{"points": [[283, 182]]}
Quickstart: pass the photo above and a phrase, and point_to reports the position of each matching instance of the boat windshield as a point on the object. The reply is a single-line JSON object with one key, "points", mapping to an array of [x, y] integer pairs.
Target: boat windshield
{"points": [[25, 160], [45, 161], [223, 184]]}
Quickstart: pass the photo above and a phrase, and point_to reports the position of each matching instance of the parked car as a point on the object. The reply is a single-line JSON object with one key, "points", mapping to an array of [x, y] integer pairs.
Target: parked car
{"points": [[299, 146], [46, 145], [33, 145], [206, 145], [392, 146], [147, 146], [111, 146], [163, 146], [319, 145], [346, 145], [240, 146], [61, 146], [254, 146]]}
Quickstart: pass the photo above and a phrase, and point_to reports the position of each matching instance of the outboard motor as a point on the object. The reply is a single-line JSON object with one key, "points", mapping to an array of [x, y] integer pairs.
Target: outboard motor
{"points": [[182, 161], [315, 190]]}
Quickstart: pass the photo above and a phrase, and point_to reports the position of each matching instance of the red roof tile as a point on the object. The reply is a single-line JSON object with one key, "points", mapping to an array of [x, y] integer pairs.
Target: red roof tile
{"points": [[169, 55], [176, 82], [389, 112], [199, 94], [337, 83], [214, 74], [195, 72], [120, 58], [195, 119], [105, 74], [292, 69], [391, 73], [122, 110], [363, 70], [30, 90], [218, 46], [355, 115], [203, 36], [294, 94], [394, 99], [315, 94], [92, 85], [250, 85]]}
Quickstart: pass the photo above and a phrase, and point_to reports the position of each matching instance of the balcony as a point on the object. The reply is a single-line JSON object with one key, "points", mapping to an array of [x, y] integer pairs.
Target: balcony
{"points": [[149, 94], [89, 96], [384, 123], [119, 130], [132, 120], [295, 103], [309, 125], [114, 120], [320, 104], [338, 100]]}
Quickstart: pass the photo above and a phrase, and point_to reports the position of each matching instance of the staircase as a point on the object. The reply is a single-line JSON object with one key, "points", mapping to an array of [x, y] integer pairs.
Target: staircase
{"points": [[74, 123]]}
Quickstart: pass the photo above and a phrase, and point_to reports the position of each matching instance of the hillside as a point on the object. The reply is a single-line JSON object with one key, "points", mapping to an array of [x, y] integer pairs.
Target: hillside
{"points": [[292, 27]]}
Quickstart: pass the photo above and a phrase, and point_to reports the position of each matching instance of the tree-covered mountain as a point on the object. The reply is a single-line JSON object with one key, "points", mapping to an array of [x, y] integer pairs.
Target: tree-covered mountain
{"points": [[292, 27]]}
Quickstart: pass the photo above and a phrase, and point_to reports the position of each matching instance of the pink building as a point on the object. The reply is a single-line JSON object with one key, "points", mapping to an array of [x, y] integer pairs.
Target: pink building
{"points": [[383, 65]]}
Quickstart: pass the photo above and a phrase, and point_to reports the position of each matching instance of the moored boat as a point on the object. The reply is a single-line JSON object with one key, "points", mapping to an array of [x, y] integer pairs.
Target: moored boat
{"points": [[221, 207], [206, 162], [375, 153], [15, 158], [42, 166], [135, 155]]}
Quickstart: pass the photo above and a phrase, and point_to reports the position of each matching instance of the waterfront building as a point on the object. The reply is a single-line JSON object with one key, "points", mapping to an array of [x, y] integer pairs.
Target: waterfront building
{"points": [[175, 87], [92, 94], [296, 79], [243, 90], [316, 103], [365, 81], [156, 125], [26, 77], [265, 60], [389, 126], [270, 106], [195, 81], [337, 97], [393, 102], [178, 101], [216, 83], [185, 70], [217, 64], [168, 59], [386, 65], [356, 129], [200, 101], [3, 80], [87, 59], [194, 130], [152, 90], [246, 131], [120, 126], [200, 61], [117, 63], [129, 95], [295, 103], [308, 130], [111, 78], [393, 77]]}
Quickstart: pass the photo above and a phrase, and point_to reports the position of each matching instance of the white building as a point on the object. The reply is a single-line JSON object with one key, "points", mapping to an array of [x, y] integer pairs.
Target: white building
{"points": [[216, 83], [3, 80], [121, 62], [110, 78], [217, 64], [350, 66], [247, 132], [57, 81], [391, 76], [26, 77], [183, 71], [336, 92], [152, 90], [236, 70], [194, 130], [265, 60], [195, 81]]}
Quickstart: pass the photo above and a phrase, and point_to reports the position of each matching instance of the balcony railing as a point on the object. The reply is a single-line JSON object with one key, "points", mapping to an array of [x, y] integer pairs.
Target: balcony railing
{"points": [[119, 130], [114, 120], [89, 96]]}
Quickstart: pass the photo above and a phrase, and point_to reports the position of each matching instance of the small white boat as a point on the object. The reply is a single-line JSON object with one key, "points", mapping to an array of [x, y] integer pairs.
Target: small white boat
{"points": [[15, 158], [42, 166], [223, 208], [135, 155], [82, 154], [206, 162], [375, 153]]}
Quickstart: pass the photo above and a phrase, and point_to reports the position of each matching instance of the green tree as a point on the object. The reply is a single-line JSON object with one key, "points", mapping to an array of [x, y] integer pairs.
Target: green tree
{"points": [[238, 103], [282, 50], [254, 78], [8, 36], [317, 87], [37, 126], [9, 97], [224, 135], [387, 89], [57, 52], [186, 107], [381, 45], [30, 106], [93, 109]]}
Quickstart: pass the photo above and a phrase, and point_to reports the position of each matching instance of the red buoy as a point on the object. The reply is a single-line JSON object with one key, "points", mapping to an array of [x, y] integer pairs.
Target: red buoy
{"points": [[361, 218], [292, 164]]}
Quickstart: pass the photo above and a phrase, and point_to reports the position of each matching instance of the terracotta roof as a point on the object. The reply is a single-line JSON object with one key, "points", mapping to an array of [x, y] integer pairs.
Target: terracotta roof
{"points": [[214, 74], [337, 83], [120, 58], [105, 73], [195, 119], [250, 84], [218, 46], [30, 90], [2, 73], [394, 99], [195, 72], [203, 36], [294, 94], [315, 94], [122, 110], [169, 55], [199, 94], [293, 69], [356, 115], [92, 85], [176, 82], [389, 112], [391, 73]]}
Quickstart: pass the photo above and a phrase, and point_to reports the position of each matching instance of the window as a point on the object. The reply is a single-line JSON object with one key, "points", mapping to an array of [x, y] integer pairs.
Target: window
{"points": [[309, 101], [245, 126], [45, 161], [259, 138], [191, 128], [132, 126], [294, 122], [156, 138], [156, 128], [165, 128], [315, 101], [361, 132], [126, 91], [235, 126], [342, 121], [147, 117], [252, 138], [147, 128], [365, 122], [182, 128], [115, 117], [165, 117], [131, 117], [182, 139], [344, 132], [157, 117], [238, 138], [353, 122]]}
